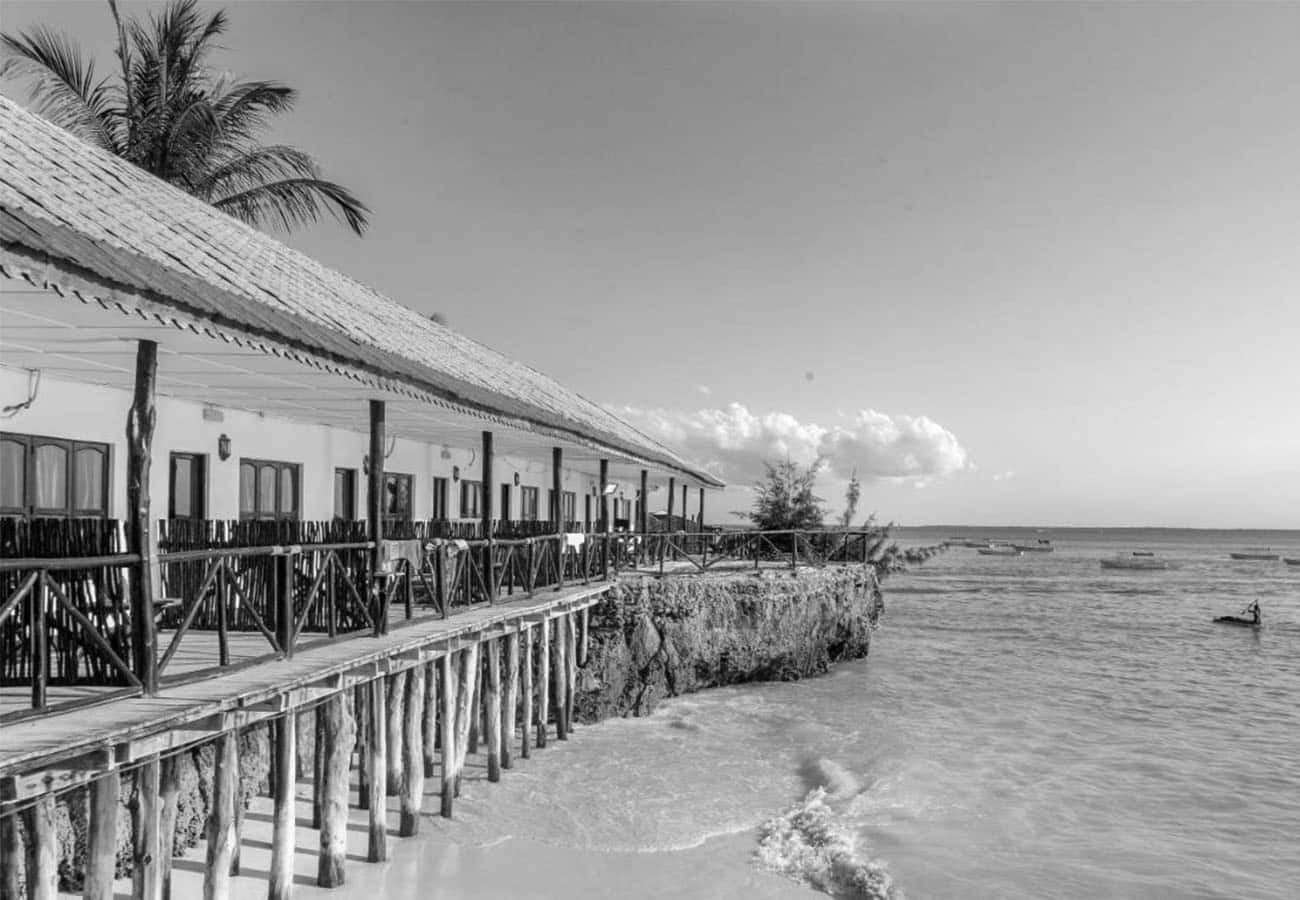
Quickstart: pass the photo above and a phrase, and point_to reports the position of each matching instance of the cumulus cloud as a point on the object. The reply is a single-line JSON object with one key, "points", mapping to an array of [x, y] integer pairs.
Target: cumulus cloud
{"points": [[734, 442]]}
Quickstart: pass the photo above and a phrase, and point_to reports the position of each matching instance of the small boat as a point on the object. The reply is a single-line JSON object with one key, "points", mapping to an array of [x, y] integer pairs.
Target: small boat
{"points": [[1143, 553], [1236, 620], [1134, 562], [1291, 561], [1257, 555], [1042, 546], [999, 551]]}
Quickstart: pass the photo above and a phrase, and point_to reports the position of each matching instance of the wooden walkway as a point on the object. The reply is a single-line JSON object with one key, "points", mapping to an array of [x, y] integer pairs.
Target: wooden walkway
{"points": [[58, 750]]}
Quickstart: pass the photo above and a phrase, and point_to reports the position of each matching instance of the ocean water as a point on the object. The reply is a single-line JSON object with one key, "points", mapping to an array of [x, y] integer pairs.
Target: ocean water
{"points": [[1029, 727]]}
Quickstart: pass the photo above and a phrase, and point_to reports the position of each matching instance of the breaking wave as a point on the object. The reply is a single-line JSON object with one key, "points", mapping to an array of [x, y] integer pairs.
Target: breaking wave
{"points": [[813, 843]]}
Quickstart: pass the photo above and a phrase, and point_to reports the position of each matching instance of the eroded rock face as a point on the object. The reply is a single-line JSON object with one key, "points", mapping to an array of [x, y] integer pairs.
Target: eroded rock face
{"points": [[653, 638]]}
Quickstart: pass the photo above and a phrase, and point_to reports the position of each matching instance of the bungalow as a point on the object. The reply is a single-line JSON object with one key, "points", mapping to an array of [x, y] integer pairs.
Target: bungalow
{"points": [[167, 366]]}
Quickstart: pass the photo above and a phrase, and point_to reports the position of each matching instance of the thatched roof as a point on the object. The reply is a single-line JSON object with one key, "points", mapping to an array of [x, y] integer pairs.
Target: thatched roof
{"points": [[79, 206]]}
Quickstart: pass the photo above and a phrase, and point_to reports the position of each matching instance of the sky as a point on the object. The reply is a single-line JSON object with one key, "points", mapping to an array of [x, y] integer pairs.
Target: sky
{"points": [[1012, 263]]}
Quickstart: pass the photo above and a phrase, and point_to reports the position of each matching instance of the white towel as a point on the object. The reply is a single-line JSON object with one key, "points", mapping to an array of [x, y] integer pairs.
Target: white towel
{"points": [[575, 540], [461, 546]]}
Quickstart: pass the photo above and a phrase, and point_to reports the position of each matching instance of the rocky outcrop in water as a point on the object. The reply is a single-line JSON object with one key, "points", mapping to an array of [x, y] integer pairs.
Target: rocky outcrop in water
{"points": [[653, 638]]}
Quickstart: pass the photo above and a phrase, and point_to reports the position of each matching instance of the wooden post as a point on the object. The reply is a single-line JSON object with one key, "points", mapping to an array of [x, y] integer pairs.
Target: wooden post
{"points": [[561, 672], [375, 515], [396, 694], [557, 495], [643, 514], [704, 541], [318, 765], [340, 733], [101, 837], [10, 851], [170, 789], [511, 700], [448, 734], [571, 676], [604, 519], [360, 707], [526, 716], [413, 755], [486, 510], [145, 854], [492, 695], [476, 707], [584, 648], [377, 726], [430, 719], [221, 817], [465, 707], [42, 852], [543, 679], [140, 422], [280, 886], [668, 528]]}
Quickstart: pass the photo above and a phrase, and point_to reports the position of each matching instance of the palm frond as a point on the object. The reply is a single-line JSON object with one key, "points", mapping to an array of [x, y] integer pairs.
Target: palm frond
{"points": [[291, 202], [64, 89], [261, 165], [244, 109]]}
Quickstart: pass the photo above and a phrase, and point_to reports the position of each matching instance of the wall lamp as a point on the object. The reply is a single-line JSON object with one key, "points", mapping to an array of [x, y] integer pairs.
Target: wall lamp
{"points": [[223, 447]]}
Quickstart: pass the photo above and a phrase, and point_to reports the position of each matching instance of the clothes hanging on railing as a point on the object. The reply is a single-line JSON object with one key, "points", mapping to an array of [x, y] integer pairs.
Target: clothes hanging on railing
{"points": [[391, 552], [574, 540]]}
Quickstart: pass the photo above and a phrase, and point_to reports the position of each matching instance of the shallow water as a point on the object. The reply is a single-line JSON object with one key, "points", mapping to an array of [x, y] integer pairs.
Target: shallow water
{"points": [[1025, 727]]}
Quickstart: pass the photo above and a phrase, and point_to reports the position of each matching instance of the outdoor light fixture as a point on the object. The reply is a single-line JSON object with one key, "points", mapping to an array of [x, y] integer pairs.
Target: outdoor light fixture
{"points": [[455, 473], [445, 454], [223, 447], [516, 479]]}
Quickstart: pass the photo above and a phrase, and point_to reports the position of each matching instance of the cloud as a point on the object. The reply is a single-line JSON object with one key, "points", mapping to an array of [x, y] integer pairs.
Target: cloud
{"points": [[704, 389], [1004, 476], [734, 442]]}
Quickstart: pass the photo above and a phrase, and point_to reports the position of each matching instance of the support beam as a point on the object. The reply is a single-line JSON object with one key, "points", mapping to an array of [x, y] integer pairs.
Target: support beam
{"points": [[604, 519], [361, 709], [557, 495], [11, 850], [525, 744], [340, 733], [465, 706], [140, 422], [429, 719], [101, 837], [375, 514], [492, 696], [701, 511], [685, 495], [486, 510], [448, 734], [377, 727], [668, 527], [280, 885], [510, 702], [145, 854], [396, 693], [317, 764], [571, 676], [643, 514], [169, 786], [585, 646], [543, 679], [412, 755], [42, 851], [561, 676], [221, 817]]}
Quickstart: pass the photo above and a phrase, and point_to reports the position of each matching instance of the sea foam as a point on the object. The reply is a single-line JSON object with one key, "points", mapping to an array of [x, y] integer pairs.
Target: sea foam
{"points": [[810, 843]]}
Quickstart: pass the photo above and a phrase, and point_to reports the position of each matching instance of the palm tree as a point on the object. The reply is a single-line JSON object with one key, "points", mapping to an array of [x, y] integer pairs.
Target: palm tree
{"points": [[172, 115]]}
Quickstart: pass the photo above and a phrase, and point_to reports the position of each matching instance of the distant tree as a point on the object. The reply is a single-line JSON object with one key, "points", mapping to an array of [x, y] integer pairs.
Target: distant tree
{"points": [[173, 115], [784, 499], [852, 494]]}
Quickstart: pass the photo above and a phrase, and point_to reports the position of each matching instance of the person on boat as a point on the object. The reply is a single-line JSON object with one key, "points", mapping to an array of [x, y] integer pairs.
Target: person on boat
{"points": [[1253, 612]]}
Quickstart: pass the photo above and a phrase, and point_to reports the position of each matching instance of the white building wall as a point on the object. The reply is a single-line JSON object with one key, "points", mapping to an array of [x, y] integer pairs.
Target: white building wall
{"points": [[90, 412]]}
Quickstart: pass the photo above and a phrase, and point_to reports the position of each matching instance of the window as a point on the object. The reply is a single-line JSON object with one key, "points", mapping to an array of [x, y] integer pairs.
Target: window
{"points": [[188, 483], [528, 503], [345, 495], [586, 509], [504, 512], [268, 489], [569, 506], [44, 476], [471, 493], [440, 510], [397, 495]]}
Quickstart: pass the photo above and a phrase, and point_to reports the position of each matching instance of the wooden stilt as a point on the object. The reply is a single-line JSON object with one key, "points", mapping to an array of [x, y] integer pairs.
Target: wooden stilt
{"points": [[396, 695], [525, 744], [361, 705], [476, 717], [465, 704], [430, 719], [511, 701], [378, 763], [10, 851], [571, 676], [543, 680], [413, 755], [169, 789], [221, 818], [318, 763], [493, 704], [448, 734], [340, 733], [280, 885], [101, 837], [585, 647], [240, 808], [42, 851], [144, 837], [561, 676]]}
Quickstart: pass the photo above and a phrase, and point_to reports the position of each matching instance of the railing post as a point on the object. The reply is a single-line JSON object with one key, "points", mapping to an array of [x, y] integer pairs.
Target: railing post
{"points": [[375, 515], [488, 577], [284, 602], [140, 422], [643, 516], [38, 599]]}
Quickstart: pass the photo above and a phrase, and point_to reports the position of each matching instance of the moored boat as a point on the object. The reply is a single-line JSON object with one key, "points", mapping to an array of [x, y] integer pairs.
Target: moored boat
{"points": [[999, 551], [1257, 555], [1143, 553], [1134, 562], [1041, 546], [1291, 561]]}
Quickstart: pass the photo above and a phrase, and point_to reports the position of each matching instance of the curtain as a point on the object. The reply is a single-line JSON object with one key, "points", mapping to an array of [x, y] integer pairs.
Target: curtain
{"points": [[51, 477]]}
